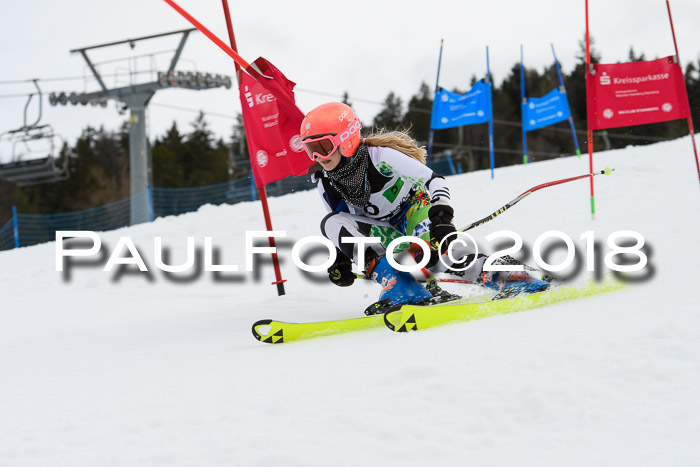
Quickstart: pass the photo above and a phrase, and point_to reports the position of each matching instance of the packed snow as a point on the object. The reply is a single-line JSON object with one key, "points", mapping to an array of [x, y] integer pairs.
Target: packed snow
{"points": [[128, 368]]}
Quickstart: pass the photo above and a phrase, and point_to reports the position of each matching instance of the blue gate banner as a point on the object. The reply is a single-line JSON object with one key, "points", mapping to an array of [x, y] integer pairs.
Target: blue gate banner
{"points": [[451, 109], [539, 112]]}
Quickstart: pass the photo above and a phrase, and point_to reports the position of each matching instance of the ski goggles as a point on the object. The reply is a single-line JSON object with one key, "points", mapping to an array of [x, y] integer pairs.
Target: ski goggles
{"points": [[322, 147]]}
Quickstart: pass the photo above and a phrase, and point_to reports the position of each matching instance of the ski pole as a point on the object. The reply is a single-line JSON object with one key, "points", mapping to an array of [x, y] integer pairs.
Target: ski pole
{"points": [[510, 204]]}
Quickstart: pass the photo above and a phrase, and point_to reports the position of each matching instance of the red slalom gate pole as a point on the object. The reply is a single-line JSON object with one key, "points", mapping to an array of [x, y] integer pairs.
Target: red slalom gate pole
{"points": [[231, 37], [279, 282], [230, 52], [588, 123], [690, 118], [262, 192]]}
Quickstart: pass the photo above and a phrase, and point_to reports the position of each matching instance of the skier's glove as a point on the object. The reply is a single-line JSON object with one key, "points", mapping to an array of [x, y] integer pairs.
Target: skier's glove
{"points": [[441, 225], [340, 272]]}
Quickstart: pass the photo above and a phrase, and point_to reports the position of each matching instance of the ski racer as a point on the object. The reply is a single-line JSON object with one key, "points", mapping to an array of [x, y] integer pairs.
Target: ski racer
{"points": [[379, 186]]}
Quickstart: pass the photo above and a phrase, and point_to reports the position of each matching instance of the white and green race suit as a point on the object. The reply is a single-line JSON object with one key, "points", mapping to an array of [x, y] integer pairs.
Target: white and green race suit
{"points": [[402, 190]]}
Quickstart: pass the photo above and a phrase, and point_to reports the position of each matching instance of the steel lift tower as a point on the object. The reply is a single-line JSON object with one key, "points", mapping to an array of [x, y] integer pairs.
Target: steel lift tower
{"points": [[136, 97]]}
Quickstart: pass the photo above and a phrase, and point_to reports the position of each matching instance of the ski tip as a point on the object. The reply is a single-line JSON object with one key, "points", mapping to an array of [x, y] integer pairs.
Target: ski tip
{"points": [[388, 323], [400, 321], [257, 325]]}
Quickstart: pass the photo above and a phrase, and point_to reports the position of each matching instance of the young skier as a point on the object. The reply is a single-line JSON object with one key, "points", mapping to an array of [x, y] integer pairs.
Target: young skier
{"points": [[381, 183]]}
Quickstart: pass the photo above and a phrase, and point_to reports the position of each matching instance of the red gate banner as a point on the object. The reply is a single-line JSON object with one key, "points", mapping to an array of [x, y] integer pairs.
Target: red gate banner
{"points": [[272, 123], [636, 93]]}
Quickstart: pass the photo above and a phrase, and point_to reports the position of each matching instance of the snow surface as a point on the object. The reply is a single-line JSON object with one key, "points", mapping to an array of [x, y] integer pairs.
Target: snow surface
{"points": [[132, 369]]}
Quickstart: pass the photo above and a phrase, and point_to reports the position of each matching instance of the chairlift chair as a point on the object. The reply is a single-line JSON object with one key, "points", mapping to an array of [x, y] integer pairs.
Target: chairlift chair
{"points": [[25, 169], [27, 142]]}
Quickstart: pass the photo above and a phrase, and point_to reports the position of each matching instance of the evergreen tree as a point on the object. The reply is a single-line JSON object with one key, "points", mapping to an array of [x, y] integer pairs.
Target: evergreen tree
{"points": [[576, 87], [692, 84], [191, 160], [632, 57], [417, 117], [203, 162], [168, 172], [506, 107], [239, 164], [390, 117]]}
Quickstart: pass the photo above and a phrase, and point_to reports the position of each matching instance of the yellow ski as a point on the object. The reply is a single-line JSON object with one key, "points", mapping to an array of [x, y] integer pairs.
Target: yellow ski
{"points": [[412, 317], [277, 332]]}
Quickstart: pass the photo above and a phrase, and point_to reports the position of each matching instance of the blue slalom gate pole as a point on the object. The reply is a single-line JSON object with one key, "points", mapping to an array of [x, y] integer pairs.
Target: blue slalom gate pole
{"points": [[15, 226], [437, 86], [448, 156], [524, 102], [253, 189], [150, 203], [563, 90], [488, 76]]}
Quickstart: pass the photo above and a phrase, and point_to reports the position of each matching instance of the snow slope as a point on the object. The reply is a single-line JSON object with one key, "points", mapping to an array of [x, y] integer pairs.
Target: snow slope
{"points": [[132, 369]]}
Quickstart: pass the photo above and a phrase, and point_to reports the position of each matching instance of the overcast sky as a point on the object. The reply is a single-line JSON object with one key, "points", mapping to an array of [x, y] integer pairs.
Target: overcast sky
{"points": [[367, 48]]}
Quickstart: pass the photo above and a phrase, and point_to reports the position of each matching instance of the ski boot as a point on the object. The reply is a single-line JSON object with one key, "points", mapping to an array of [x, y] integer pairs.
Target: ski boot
{"points": [[439, 295], [511, 283], [398, 287], [534, 272]]}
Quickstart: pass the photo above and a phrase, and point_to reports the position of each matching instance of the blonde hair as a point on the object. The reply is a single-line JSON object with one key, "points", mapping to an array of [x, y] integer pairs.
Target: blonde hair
{"points": [[399, 140]]}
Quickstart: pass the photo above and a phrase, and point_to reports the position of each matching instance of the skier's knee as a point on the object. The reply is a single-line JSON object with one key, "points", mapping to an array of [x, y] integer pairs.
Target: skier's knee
{"points": [[324, 223]]}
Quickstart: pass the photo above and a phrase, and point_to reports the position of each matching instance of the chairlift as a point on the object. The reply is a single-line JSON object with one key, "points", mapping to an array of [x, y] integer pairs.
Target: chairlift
{"points": [[29, 141]]}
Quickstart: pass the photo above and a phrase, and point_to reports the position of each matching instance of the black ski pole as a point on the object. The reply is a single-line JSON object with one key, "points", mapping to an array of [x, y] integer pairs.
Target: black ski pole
{"points": [[510, 204]]}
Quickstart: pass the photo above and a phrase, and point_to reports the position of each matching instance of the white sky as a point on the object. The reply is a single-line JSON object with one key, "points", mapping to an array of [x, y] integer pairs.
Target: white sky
{"points": [[367, 48]]}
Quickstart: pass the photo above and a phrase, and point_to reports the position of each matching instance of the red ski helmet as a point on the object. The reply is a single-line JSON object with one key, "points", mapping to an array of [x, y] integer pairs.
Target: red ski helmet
{"points": [[333, 119]]}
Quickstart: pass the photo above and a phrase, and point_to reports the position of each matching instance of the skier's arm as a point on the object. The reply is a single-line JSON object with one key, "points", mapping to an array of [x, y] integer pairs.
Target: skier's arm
{"points": [[441, 212], [412, 169], [438, 190]]}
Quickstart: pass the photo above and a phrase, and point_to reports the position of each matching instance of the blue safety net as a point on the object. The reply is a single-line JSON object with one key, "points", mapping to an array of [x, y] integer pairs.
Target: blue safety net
{"points": [[39, 228], [7, 236]]}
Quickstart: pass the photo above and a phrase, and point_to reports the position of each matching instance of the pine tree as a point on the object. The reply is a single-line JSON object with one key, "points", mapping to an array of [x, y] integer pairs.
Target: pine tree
{"points": [[204, 162], [390, 117], [417, 117], [632, 57], [239, 164], [692, 84], [167, 169]]}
